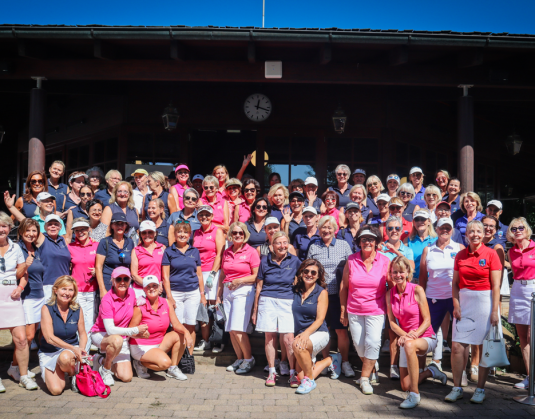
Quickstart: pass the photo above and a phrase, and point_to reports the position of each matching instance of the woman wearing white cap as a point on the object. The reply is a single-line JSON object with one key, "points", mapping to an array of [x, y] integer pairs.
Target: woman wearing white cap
{"points": [[442, 178], [79, 211], [354, 219], [156, 213], [76, 181], [432, 197], [158, 190], [358, 194], [342, 187], [152, 352], [271, 226], [374, 186], [406, 193], [422, 235], [392, 185], [302, 240], [147, 257], [416, 178], [382, 205], [311, 194]]}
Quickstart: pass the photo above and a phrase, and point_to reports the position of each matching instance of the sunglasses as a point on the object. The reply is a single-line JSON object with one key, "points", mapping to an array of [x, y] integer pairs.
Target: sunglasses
{"points": [[373, 184], [37, 182], [123, 193], [262, 207], [182, 222], [330, 199], [238, 233], [420, 219], [432, 194], [122, 279], [208, 188], [86, 194], [395, 207], [297, 201], [341, 174], [310, 272], [191, 198], [514, 229], [249, 190], [492, 226], [393, 228], [402, 193], [204, 214], [367, 240], [233, 187]]}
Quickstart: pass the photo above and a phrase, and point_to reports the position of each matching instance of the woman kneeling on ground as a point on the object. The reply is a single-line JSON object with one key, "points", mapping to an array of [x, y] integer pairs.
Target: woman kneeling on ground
{"points": [[407, 304], [152, 352]]}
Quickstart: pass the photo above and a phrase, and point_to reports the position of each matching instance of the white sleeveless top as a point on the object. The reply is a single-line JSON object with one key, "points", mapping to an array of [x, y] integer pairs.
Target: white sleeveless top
{"points": [[440, 269]]}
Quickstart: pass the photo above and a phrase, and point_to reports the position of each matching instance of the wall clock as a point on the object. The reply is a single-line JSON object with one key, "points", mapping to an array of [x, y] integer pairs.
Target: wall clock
{"points": [[257, 107]]}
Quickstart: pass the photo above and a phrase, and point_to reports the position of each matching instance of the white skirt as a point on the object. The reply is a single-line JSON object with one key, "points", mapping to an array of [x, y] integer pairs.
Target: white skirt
{"points": [[32, 309], [520, 303], [137, 351], [48, 361], [504, 290], [274, 315], [211, 293]]}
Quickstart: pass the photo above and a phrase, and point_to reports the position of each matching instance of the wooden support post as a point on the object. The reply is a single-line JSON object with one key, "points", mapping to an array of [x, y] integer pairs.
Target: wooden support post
{"points": [[465, 134], [36, 148]]}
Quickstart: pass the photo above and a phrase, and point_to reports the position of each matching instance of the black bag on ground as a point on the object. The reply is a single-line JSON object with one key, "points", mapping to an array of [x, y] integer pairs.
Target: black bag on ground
{"points": [[187, 363], [218, 326]]}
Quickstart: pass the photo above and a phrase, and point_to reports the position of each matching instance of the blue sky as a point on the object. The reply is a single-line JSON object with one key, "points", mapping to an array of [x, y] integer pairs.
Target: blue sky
{"points": [[513, 16]]}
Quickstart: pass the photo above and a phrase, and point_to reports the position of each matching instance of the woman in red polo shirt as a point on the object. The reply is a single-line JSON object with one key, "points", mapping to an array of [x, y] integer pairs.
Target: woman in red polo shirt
{"points": [[522, 258], [476, 302]]}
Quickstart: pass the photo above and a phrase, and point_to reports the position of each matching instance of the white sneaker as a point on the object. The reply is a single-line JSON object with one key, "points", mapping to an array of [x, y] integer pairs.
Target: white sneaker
{"points": [[411, 401], [436, 364], [464, 380], [201, 346], [366, 387], [107, 376], [174, 372], [474, 373], [373, 379], [456, 393], [523, 385], [93, 348], [2, 388], [14, 372], [394, 372], [386, 347], [246, 366], [218, 349], [74, 387], [27, 383], [235, 365], [141, 370], [437, 374], [284, 368], [479, 396], [277, 365], [347, 369]]}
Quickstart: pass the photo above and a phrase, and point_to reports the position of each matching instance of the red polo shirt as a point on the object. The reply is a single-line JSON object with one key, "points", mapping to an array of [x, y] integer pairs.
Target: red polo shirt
{"points": [[474, 268]]}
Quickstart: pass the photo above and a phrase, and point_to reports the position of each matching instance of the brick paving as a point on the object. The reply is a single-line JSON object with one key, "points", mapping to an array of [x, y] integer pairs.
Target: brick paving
{"points": [[214, 393]]}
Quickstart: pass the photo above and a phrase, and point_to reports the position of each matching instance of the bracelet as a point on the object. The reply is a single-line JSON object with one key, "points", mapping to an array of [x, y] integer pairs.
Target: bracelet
{"points": [[22, 289]]}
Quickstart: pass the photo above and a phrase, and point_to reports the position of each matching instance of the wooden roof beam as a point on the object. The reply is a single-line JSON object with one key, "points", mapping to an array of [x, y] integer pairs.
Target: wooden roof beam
{"points": [[399, 55], [104, 50], [177, 52], [470, 58], [31, 49]]}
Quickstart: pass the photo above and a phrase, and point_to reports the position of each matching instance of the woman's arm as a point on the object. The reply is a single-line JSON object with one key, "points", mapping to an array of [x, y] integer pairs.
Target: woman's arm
{"points": [[422, 279], [201, 285], [341, 218], [394, 326], [47, 329], [175, 196], [287, 217], [421, 299], [134, 269], [166, 281], [501, 255], [171, 204], [82, 333], [291, 250], [99, 265], [236, 215], [68, 227], [220, 287], [106, 219], [246, 161], [136, 318], [225, 225], [219, 248], [259, 285], [143, 213], [344, 287], [495, 278], [246, 280], [14, 207], [171, 234], [455, 295]]}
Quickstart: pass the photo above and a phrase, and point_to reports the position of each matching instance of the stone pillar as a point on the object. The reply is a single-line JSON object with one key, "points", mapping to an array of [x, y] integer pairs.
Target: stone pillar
{"points": [[465, 135]]}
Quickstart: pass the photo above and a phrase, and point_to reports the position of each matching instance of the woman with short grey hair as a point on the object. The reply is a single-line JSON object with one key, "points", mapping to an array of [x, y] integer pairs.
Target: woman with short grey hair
{"points": [[342, 187], [406, 193], [95, 176]]}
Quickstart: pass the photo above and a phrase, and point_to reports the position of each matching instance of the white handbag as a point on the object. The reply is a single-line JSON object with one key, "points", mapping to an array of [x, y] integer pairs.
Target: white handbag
{"points": [[494, 353]]}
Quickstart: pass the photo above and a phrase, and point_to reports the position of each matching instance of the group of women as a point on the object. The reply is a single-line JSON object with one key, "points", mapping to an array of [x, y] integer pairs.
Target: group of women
{"points": [[103, 269]]}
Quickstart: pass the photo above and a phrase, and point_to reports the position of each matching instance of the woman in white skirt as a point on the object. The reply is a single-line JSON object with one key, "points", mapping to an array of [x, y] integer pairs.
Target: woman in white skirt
{"points": [[239, 267], [64, 336], [272, 312], [12, 317], [476, 301], [522, 258]]}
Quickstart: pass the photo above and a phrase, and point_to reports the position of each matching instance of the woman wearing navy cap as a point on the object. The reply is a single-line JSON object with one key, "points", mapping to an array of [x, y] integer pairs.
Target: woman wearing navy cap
{"points": [[302, 240], [197, 183], [353, 216], [359, 177]]}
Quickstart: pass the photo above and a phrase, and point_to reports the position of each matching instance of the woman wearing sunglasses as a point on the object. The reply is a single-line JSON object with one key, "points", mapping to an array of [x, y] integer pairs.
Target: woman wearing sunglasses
{"points": [[395, 206], [432, 197], [158, 188], [422, 235], [255, 225], [384, 213], [95, 176], [214, 199], [122, 202], [79, 211], [522, 260], [233, 198], [406, 193], [442, 178], [392, 185], [35, 184], [188, 213], [292, 222], [354, 220], [250, 190], [357, 194], [374, 186], [342, 187], [331, 208], [73, 198]]}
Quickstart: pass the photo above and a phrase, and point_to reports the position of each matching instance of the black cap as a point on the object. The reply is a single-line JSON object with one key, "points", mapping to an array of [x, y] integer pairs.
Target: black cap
{"points": [[297, 195], [351, 205], [118, 217]]}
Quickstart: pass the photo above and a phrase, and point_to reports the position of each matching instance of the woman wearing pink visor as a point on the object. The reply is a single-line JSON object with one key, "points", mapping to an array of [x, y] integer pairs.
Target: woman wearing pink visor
{"points": [[182, 183], [111, 332], [152, 352]]}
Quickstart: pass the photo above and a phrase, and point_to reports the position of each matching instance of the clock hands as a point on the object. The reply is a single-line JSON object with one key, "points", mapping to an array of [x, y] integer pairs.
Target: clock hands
{"points": [[264, 109], [258, 104]]}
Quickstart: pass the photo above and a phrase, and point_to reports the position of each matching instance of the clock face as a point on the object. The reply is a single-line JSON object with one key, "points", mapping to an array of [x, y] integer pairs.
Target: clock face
{"points": [[257, 107]]}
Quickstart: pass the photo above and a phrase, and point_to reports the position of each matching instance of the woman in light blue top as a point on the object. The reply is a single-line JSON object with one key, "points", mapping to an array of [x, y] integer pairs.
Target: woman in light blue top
{"points": [[423, 234]]}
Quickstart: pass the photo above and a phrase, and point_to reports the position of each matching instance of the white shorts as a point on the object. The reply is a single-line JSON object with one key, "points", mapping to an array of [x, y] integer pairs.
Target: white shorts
{"points": [[87, 302], [137, 351], [319, 340], [274, 315], [124, 354], [47, 289], [366, 334], [187, 305], [48, 361], [211, 293], [238, 305], [431, 345], [32, 309]]}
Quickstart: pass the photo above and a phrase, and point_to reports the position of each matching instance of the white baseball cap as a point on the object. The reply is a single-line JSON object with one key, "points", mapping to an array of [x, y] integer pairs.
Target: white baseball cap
{"points": [[271, 220], [200, 177], [383, 197], [311, 181], [393, 177], [51, 217], [367, 233], [421, 213], [310, 209], [147, 225], [443, 221], [44, 195], [150, 279], [494, 202], [80, 223], [416, 169]]}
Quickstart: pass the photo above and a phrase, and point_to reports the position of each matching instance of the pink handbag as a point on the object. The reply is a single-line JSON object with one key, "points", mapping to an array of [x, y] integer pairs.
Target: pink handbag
{"points": [[90, 383]]}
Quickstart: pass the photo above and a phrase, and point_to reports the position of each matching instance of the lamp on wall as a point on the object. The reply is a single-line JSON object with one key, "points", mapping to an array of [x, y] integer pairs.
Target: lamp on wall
{"points": [[170, 117], [513, 144], [2, 132], [339, 120]]}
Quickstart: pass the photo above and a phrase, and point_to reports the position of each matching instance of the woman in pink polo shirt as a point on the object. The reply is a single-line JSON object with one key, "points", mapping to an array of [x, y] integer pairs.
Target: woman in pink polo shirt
{"points": [[182, 183], [233, 198], [362, 298], [239, 268], [146, 257], [220, 172], [152, 352], [250, 191], [330, 203], [409, 318], [522, 257], [219, 205], [83, 254], [111, 332]]}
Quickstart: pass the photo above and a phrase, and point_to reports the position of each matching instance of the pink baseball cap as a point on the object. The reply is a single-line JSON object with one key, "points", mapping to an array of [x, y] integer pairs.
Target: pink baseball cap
{"points": [[182, 166], [121, 270]]}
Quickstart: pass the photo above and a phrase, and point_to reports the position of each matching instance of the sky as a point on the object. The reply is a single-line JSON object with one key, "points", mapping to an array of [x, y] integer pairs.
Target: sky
{"points": [[512, 16]]}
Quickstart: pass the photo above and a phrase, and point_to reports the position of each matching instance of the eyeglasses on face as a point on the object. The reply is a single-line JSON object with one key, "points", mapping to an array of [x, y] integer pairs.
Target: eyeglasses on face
{"points": [[311, 272], [395, 207], [249, 190], [491, 226], [37, 182], [515, 229], [330, 199], [420, 219], [122, 279], [191, 198], [341, 174], [204, 214], [208, 188], [86, 194], [296, 201], [123, 193], [443, 209], [367, 240], [403, 193], [261, 207], [238, 233], [373, 184], [393, 228], [182, 222]]}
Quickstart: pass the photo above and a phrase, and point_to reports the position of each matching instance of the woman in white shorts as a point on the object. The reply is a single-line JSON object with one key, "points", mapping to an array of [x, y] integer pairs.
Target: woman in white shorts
{"points": [[110, 332], [182, 277], [152, 353], [309, 306], [409, 318], [239, 267], [64, 336], [272, 312]]}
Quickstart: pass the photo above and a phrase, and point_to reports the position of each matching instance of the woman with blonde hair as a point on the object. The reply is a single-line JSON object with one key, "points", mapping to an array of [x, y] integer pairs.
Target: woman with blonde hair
{"points": [[342, 187], [278, 196], [220, 172], [156, 214], [432, 197], [358, 194], [122, 201], [472, 208], [374, 187], [64, 336], [158, 187], [422, 235]]}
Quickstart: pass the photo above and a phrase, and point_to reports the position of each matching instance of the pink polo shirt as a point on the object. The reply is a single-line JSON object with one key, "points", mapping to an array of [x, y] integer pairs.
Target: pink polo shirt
{"points": [[149, 264], [82, 260], [367, 289], [219, 208], [157, 321], [205, 242], [405, 308], [180, 189], [333, 212], [119, 309], [523, 262], [239, 264], [244, 212], [231, 207]]}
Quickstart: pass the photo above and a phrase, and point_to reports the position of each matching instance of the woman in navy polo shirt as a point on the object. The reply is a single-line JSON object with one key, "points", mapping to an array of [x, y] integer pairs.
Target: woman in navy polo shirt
{"points": [[156, 214], [156, 182], [272, 311], [406, 193], [471, 206], [112, 252], [55, 187], [358, 195], [76, 182], [292, 222], [182, 278], [35, 184], [255, 225], [79, 211], [342, 187], [122, 202], [278, 198], [374, 186], [188, 213], [353, 216], [302, 241], [452, 197]]}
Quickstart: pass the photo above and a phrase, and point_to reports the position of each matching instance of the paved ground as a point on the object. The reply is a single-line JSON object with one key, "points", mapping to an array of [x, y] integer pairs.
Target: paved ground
{"points": [[214, 393]]}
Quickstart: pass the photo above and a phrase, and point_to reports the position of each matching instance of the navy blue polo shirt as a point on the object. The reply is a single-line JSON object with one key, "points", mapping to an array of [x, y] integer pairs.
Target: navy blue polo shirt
{"points": [[193, 222], [295, 228], [306, 312], [462, 222], [455, 205], [34, 288], [501, 234], [346, 235], [316, 204], [29, 209], [419, 198], [343, 198], [104, 196], [67, 331], [162, 233], [365, 212], [164, 196], [56, 259], [409, 211], [277, 213], [111, 251], [182, 268], [302, 242], [60, 193], [69, 203], [257, 238], [78, 211], [372, 206], [278, 279]]}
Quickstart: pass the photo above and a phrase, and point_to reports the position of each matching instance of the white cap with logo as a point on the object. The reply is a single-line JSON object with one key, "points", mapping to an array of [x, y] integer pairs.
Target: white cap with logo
{"points": [[150, 279], [422, 213], [45, 195], [147, 225], [271, 220], [383, 197], [310, 209], [494, 202], [311, 181], [443, 221], [415, 169]]}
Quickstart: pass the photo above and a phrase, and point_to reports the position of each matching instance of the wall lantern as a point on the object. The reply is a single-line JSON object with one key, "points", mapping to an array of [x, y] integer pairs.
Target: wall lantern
{"points": [[2, 132], [513, 144], [170, 117], [339, 120]]}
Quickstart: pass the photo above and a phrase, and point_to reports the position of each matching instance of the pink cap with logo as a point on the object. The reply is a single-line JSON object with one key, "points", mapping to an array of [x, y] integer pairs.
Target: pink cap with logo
{"points": [[121, 270]]}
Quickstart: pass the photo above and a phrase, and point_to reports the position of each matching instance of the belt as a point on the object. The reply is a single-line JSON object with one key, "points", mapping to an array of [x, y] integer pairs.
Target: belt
{"points": [[527, 281], [9, 282]]}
